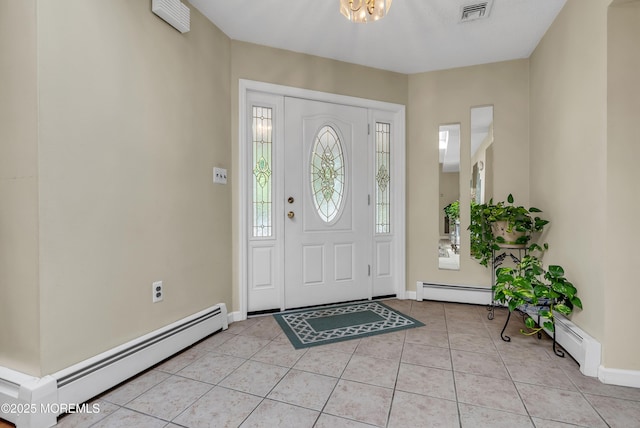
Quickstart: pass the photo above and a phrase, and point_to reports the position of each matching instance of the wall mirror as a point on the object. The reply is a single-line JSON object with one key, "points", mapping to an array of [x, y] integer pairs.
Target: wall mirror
{"points": [[449, 186], [481, 154], [481, 178]]}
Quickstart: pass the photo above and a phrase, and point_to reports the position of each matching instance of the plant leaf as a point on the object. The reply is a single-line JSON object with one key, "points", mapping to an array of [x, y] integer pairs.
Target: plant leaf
{"points": [[522, 283], [556, 271], [563, 309], [559, 287], [540, 224], [510, 198], [575, 300], [570, 290], [535, 210], [537, 269], [552, 294], [539, 290], [549, 326], [545, 313], [530, 322]]}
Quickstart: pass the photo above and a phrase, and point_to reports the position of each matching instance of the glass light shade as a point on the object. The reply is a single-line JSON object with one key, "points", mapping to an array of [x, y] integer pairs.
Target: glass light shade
{"points": [[362, 11]]}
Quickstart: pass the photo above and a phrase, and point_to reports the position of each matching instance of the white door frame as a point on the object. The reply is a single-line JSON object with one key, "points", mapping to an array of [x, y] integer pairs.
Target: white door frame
{"points": [[398, 176]]}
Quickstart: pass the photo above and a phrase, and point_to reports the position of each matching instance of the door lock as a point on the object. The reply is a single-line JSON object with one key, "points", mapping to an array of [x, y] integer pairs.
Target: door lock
{"points": [[290, 214], [290, 200]]}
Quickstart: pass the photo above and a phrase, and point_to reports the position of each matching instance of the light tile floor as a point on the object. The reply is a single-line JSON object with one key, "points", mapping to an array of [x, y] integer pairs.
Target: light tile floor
{"points": [[454, 372]]}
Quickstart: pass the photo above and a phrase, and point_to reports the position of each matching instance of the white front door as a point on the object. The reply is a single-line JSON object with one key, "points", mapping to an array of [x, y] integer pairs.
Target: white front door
{"points": [[326, 228]]}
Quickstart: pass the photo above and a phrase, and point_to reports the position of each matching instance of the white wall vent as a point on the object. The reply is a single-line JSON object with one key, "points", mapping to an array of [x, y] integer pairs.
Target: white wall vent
{"points": [[476, 11], [174, 12]]}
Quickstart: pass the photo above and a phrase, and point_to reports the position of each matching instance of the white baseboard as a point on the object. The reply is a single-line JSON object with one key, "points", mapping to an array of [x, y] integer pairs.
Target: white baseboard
{"points": [[630, 378], [26, 393], [47, 397], [234, 317], [410, 295]]}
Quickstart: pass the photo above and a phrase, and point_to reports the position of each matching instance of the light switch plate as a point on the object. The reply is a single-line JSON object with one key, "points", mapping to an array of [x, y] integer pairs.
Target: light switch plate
{"points": [[219, 175]]}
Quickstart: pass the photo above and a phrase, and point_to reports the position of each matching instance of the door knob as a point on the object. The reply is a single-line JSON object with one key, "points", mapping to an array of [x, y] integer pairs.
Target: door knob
{"points": [[290, 199], [290, 214]]}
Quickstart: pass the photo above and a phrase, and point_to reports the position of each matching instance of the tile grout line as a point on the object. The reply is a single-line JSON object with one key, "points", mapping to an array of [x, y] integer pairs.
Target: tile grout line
{"points": [[395, 384], [526, 409], [453, 372]]}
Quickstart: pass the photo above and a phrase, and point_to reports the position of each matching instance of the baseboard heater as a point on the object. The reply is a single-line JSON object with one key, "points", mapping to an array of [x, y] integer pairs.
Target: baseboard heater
{"points": [[85, 380], [581, 346], [453, 293]]}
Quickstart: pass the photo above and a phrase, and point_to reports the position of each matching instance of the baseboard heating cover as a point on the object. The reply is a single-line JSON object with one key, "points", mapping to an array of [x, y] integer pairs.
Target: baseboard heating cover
{"points": [[579, 344], [453, 293], [82, 381], [586, 350]]}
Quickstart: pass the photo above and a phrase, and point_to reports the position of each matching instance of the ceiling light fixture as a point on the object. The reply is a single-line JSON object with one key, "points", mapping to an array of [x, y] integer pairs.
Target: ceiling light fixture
{"points": [[364, 10]]}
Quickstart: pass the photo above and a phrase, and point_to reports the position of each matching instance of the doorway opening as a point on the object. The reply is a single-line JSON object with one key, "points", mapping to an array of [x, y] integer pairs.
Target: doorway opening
{"points": [[321, 184]]}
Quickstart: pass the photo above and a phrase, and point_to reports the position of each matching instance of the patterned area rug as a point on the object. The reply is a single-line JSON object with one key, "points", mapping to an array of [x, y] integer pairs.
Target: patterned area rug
{"points": [[328, 324]]}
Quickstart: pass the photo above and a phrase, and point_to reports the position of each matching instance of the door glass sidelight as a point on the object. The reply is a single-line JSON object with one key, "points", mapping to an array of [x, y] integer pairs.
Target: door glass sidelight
{"points": [[383, 178], [262, 142]]}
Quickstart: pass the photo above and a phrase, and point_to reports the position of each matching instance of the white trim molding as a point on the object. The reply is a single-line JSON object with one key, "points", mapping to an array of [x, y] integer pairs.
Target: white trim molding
{"points": [[621, 377], [235, 316]]}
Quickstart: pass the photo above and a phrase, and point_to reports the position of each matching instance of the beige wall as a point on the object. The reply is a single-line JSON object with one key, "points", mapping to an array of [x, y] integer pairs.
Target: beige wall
{"points": [[442, 97], [133, 116], [623, 154], [276, 66], [19, 296], [569, 149]]}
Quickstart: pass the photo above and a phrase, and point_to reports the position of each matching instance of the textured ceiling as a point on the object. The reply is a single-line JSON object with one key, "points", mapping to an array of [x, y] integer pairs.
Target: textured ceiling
{"points": [[416, 36]]}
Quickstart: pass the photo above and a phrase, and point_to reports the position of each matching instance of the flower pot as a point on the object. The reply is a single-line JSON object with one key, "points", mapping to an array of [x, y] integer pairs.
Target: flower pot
{"points": [[499, 228]]}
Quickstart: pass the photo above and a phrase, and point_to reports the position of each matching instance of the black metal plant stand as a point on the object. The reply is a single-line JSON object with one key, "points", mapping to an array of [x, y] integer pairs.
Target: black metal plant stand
{"points": [[506, 338], [496, 261], [498, 258]]}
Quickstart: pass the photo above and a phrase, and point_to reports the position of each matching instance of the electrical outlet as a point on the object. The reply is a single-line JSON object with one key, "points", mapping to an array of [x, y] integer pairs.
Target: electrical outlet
{"points": [[219, 175], [157, 292]]}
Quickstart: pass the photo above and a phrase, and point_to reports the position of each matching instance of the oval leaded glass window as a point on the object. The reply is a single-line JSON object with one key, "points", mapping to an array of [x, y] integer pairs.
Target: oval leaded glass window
{"points": [[327, 173]]}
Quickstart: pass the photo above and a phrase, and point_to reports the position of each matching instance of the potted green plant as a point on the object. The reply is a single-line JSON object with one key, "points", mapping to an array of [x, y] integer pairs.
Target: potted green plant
{"points": [[502, 224], [537, 291], [482, 242], [452, 211]]}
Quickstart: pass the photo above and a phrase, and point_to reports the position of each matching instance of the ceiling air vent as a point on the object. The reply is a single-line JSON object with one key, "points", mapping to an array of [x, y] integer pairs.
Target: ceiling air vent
{"points": [[174, 12], [472, 12]]}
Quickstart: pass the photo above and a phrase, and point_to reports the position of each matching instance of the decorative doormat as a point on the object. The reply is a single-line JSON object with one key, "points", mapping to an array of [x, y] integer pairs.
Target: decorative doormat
{"points": [[329, 324]]}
